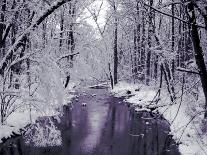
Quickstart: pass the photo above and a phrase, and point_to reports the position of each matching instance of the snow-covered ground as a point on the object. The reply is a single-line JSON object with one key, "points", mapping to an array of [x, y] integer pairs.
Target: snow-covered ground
{"points": [[16, 121], [22, 117], [186, 120]]}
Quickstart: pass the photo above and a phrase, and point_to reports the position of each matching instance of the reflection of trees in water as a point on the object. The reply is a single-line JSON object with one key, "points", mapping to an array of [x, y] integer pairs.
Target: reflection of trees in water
{"points": [[13, 148], [124, 133], [142, 134], [65, 128]]}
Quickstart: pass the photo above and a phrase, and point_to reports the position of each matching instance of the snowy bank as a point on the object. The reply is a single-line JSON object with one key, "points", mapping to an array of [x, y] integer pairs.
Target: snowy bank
{"points": [[186, 120], [15, 123], [32, 111]]}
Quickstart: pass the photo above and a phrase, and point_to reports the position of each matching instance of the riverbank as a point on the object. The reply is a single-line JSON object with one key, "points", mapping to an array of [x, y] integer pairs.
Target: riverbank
{"points": [[105, 125], [18, 120], [15, 124], [186, 121]]}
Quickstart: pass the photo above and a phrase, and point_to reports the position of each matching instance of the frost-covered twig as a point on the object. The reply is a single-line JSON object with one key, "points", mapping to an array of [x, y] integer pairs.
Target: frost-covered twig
{"points": [[185, 126], [181, 100], [36, 23], [172, 16]]}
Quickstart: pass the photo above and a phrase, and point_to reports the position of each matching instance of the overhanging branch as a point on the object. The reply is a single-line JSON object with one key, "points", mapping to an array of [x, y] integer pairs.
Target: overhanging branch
{"points": [[175, 17], [37, 22]]}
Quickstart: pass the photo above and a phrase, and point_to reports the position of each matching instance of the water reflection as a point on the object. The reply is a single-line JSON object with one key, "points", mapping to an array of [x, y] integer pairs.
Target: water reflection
{"points": [[130, 133], [103, 127]]}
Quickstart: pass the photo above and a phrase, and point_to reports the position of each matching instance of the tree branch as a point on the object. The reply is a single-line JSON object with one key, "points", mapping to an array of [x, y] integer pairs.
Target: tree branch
{"points": [[175, 17], [37, 22], [66, 56], [5, 34], [186, 70]]}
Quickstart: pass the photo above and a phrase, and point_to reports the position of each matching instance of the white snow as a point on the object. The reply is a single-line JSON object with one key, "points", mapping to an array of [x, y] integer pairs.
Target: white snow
{"points": [[187, 124], [23, 116], [5, 131], [16, 121]]}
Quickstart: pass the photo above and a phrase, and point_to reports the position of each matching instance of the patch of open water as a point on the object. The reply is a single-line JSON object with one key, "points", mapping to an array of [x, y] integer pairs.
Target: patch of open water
{"points": [[105, 126]]}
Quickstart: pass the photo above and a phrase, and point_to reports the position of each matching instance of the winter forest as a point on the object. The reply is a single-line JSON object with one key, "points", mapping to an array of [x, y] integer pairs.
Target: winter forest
{"points": [[103, 77]]}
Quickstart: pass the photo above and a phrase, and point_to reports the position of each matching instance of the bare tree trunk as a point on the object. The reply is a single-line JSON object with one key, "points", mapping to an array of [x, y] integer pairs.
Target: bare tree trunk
{"points": [[156, 67], [44, 28], [142, 46], [61, 29], [150, 33], [2, 20], [173, 38], [198, 52], [135, 60], [136, 54], [71, 40], [110, 75], [115, 49], [2, 28]]}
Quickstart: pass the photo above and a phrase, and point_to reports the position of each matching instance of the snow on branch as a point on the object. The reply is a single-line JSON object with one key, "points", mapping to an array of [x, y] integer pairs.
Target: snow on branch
{"points": [[171, 3], [66, 56], [170, 15], [5, 34], [37, 22], [187, 70], [49, 11]]}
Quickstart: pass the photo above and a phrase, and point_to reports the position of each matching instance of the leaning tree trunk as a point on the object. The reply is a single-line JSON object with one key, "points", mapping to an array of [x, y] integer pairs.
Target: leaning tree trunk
{"points": [[2, 20], [198, 52], [2, 29]]}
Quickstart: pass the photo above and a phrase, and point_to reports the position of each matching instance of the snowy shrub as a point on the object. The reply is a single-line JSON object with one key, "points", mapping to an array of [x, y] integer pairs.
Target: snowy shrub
{"points": [[44, 133]]}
